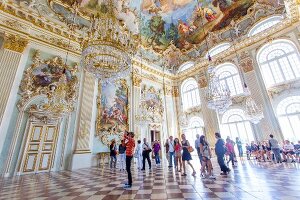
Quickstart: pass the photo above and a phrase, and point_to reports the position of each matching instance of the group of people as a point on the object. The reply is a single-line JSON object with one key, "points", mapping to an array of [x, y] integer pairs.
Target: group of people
{"points": [[271, 150], [179, 153]]}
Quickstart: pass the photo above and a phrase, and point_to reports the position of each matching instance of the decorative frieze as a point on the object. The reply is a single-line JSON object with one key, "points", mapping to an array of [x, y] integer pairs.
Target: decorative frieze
{"points": [[175, 91], [246, 62]]}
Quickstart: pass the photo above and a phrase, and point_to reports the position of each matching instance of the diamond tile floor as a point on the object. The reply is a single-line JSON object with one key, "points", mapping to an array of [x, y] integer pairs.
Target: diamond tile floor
{"points": [[249, 180]]}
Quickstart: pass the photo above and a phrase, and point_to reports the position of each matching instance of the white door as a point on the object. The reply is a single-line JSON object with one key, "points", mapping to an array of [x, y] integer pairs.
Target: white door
{"points": [[40, 148]]}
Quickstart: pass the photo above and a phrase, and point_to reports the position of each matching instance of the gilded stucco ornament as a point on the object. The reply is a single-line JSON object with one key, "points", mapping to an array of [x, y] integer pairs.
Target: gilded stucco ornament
{"points": [[202, 82], [246, 62], [175, 91], [15, 43], [137, 80], [54, 80]]}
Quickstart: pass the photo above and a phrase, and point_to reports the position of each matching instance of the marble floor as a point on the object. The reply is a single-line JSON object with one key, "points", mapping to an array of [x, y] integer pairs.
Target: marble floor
{"points": [[249, 180]]}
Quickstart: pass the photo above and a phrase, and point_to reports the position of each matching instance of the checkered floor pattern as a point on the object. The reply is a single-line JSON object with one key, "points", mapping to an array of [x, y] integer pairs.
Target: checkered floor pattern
{"points": [[249, 180]]}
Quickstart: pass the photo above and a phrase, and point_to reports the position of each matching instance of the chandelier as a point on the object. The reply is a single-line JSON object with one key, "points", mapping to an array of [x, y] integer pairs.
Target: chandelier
{"points": [[218, 95], [108, 47], [252, 111]]}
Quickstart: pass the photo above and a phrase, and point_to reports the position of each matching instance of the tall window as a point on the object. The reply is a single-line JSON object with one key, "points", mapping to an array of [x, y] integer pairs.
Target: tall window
{"points": [[288, 113], [265, 24], [185, 66], [190, 94], [279, 62], [218, 49], [229, 76], [196, 126], [235, 124]]}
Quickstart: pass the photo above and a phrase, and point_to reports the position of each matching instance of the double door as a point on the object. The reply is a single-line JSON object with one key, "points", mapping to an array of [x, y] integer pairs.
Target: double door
{"points": [[40, 148]]}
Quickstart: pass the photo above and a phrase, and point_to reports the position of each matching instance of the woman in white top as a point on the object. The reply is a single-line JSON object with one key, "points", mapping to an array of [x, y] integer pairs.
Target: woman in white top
{"points": [[138, 154]]}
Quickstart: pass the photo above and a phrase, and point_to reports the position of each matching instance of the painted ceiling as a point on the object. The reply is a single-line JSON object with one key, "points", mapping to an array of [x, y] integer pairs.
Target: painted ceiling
{"points": [[175, 30]]}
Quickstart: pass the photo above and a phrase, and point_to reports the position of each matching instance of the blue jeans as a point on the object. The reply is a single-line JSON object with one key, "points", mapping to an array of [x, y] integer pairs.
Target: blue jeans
{"points": [[277, 155], [157, 160], [171, 159], [221, 162]]}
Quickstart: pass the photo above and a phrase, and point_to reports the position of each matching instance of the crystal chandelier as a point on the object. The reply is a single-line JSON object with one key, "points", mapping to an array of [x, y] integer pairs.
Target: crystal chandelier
{"points": [[218, 95], [108, 47], [252, 111]]}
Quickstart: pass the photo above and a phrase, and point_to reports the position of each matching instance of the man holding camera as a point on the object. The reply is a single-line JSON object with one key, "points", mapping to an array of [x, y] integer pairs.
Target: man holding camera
{"points": [[146, 151], [130, 145]]}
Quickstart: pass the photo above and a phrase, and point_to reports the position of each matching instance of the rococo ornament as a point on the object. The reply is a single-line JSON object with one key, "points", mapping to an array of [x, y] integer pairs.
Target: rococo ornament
{"points": [[108, 48], [53, 79], [15, 43]]}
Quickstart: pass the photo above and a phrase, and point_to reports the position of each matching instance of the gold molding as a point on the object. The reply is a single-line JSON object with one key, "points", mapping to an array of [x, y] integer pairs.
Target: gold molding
{"points": [[137, 80], [15, 43], [82, 151]]}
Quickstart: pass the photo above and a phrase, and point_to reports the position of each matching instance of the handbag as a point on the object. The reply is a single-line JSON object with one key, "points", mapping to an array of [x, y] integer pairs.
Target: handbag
{"points": [[190, 149]]}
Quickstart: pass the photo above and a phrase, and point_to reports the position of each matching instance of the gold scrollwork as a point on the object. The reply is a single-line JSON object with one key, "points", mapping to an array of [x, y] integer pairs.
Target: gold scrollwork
{"points": [[15, 43]]}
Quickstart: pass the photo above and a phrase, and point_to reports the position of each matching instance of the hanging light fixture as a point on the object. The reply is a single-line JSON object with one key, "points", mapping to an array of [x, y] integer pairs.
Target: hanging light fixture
{"points": [[218, 95], [109, 47]]}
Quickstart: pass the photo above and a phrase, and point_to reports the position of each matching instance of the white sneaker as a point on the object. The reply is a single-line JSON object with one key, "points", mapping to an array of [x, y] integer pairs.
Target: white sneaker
{"points": [[212, 177]]}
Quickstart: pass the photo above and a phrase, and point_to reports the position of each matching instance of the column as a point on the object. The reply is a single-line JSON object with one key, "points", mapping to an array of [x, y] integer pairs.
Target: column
{"points": [[86, 125], [136, 96], [209, 116], [269, 125], [12, 64]]}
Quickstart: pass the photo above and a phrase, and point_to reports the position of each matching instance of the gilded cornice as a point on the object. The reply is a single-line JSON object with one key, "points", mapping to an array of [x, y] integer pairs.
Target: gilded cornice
{"points": [[15, 43], [13, 18]]}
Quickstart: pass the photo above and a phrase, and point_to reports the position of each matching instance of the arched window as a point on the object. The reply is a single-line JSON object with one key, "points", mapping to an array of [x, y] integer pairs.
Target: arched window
{"points": [[279, 62], [185, 66], [196, 126], [218, 49], [288, 113], [235, 124], [190, 94], [264, 25], [229, 76]]}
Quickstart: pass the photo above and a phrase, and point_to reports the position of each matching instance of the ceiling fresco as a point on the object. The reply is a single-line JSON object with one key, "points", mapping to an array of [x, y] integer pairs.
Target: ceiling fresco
{"points": [[173, 31]]}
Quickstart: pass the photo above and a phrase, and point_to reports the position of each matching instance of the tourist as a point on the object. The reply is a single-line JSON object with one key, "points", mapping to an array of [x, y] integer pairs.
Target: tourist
{"points": [[122, 155], [240, 147], [186, 155], [288, 151], [230, 151], [156, 149], [220, 152], [178, 154], [171, 152], [166, 145], [197, 147], [138, 154], [113, 154], [275, 148], [297, 151], [146, 151], [206, 156], [130, 145]]}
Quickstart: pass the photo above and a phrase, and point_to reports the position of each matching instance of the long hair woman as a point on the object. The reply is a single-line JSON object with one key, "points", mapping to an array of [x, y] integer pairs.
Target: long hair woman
{"points": [[186, 155], [178, 154], [206, 155]]}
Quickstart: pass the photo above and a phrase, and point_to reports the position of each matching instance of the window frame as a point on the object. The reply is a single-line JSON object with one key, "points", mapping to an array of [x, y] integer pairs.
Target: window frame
{"points": [[264, 25], [190, 98], [271, 65], [234, 77]]}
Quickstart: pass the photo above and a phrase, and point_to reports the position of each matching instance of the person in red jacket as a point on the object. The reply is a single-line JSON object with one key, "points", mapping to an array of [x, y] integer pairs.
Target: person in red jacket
{"points": [[130, 145]]}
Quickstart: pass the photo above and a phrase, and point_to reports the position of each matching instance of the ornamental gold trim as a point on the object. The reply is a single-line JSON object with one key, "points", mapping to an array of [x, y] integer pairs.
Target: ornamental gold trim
{"points": [[15, 43]]}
